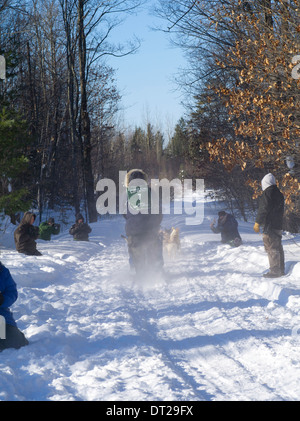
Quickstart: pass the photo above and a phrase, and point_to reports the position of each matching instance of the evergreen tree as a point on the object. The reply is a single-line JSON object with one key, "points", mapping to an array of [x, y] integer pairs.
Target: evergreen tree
{"points": [[13, 163], [179, 142]]}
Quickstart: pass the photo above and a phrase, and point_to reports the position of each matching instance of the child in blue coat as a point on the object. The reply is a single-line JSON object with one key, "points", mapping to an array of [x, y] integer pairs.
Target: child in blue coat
{"points": [[13, 337]]}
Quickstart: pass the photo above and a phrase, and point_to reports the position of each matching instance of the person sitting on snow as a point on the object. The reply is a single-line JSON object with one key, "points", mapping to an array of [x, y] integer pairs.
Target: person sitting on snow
{"points": [[80, 230], [142, 228], [228, 227], [13, 337], [46, 229], [26, 234]]}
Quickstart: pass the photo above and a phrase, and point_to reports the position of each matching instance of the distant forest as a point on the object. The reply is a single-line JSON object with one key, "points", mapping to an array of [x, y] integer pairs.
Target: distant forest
{"points": [[59, 131]]}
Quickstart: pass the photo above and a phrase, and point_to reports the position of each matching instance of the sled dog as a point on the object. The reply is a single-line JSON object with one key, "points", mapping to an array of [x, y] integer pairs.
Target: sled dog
{"points": [[171, 242]]}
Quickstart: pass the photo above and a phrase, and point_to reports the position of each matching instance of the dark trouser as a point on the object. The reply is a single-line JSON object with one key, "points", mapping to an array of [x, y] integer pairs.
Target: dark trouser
{"points": [[273, 246], [145, 252], [14, 338]]}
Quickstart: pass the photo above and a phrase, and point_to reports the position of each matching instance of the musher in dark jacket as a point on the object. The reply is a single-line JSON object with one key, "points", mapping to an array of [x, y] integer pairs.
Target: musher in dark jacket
{"points": [[228, 227], [142, 227], [26, 234], [270, 216]]}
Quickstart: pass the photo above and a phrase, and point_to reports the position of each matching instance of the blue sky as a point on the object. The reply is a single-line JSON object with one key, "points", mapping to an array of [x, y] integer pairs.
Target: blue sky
{"points": [[146, 78]]}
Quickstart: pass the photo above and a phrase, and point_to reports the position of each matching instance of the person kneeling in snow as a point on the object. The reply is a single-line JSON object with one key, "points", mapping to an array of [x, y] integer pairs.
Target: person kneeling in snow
{"points": [[80, 230], [228, 227], [13, 337], [26, 234], [142, 228], [49, 228]]}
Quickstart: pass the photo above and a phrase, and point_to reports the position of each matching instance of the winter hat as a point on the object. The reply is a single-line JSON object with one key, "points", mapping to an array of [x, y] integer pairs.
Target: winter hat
{"points": [[134, 175], [27, 217], [222, 213], [267, 181], [51, 221], [79, 216]]}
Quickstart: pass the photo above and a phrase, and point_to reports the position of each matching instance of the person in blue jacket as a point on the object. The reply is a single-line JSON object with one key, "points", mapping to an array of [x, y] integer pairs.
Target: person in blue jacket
{"points": [[228, 227], [13, 337]]}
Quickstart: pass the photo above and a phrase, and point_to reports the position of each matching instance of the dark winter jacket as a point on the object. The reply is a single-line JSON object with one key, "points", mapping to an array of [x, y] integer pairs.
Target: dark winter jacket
{"points": [[9, 294], [46, 230], [270, 209], [80, 230], [25, 236], [140, 224], [228, 227]]}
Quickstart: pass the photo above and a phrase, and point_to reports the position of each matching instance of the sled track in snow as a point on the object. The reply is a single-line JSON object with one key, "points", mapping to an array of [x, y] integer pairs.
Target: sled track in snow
{"points": [[220, 340], [143, 318], [147, 306], [141, 315]]}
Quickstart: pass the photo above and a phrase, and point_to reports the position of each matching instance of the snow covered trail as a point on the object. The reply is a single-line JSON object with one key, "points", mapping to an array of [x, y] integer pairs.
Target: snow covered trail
{"points": [[213, 329]]}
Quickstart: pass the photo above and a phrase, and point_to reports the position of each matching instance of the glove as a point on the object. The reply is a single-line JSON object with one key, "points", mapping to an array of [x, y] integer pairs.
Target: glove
{"points": [[1, 299], [256, 227]]}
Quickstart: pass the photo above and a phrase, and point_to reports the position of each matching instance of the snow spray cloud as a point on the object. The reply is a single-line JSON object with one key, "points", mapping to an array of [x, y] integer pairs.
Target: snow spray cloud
{"points": [[135, 197], [2, 328]]}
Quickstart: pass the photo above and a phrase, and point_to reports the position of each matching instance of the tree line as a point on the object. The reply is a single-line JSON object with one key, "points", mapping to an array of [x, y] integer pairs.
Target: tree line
{"points": [[60, 101], [244, 95]]}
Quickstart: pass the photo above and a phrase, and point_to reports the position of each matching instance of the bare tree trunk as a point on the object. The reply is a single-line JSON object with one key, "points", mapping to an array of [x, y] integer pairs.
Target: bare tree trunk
{"points": [[70, 95], [268, 12], [84, 125], [33, 111]]}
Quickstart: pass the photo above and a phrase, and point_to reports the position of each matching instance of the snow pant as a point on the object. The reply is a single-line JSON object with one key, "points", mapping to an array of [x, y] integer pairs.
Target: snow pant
{"points": [[274, 249], [14, 338], [145, 252]]}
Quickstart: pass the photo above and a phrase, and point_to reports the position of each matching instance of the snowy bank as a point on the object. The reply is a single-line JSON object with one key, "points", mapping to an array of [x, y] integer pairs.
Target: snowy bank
{"points": [[213, 329]]}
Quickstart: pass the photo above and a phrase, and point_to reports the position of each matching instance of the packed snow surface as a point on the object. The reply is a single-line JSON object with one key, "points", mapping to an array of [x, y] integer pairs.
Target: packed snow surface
{"points": [[213, 329]]}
